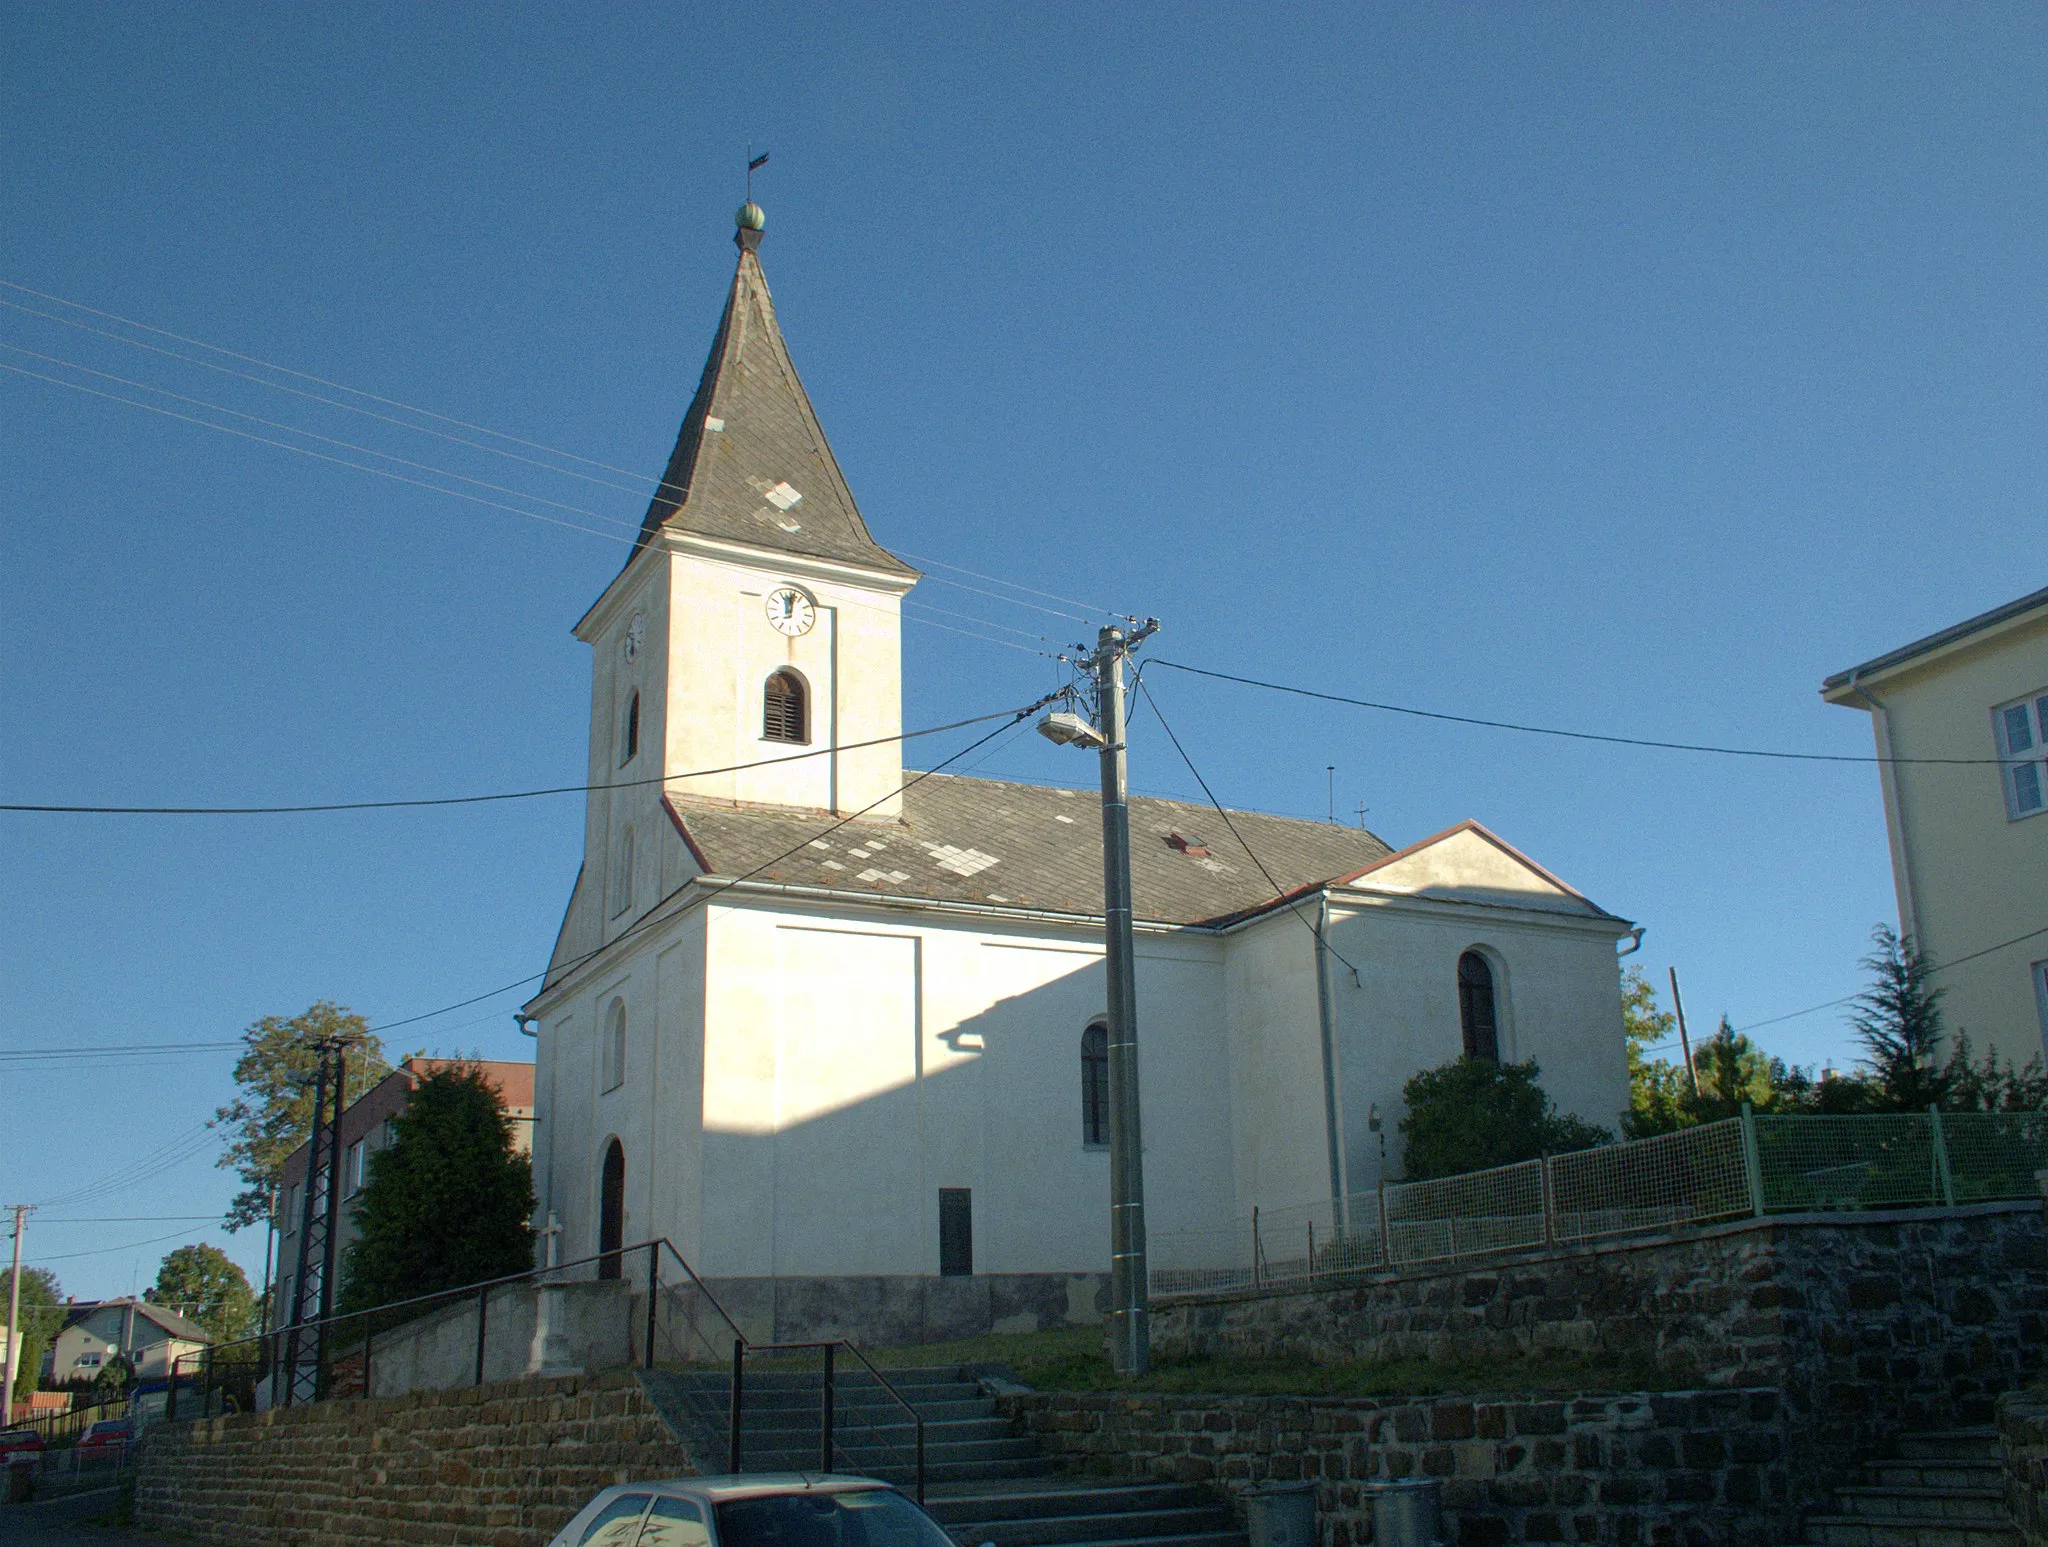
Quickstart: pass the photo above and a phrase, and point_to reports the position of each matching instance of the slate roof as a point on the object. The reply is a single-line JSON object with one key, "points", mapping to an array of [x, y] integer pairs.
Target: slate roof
{"points": [[751, 463], [1032, 846]]}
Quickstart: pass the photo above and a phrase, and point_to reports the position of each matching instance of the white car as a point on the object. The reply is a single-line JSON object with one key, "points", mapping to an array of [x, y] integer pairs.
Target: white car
{"points": [[764, 1509]]}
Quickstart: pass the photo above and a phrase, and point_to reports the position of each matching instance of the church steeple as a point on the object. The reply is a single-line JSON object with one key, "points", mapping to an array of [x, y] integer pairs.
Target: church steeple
{"points": [[751, 464]]}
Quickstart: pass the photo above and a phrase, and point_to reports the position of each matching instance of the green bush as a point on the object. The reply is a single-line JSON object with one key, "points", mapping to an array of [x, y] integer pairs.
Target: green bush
{"points": [[1472, 1113]]}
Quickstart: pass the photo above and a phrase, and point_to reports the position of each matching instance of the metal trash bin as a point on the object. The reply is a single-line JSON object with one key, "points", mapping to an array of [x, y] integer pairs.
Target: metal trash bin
{"points": [[1281, 1514], [1408, 1513]]}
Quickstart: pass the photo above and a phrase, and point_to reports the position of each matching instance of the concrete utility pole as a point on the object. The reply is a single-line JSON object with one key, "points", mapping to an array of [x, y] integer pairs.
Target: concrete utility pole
{"points": [[21, 1213], [1131, 1335], [1129, 1290], [1684, 1041]]}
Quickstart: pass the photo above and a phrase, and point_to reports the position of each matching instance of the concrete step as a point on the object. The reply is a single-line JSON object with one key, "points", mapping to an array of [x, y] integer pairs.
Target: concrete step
{"points": [[1937, 1474], [849, 1453], [811, 1399], [1117, 1525], [1951, 1445], [1984, 1505], [794, 1430], [1854, 1531], [1065, 1495]]}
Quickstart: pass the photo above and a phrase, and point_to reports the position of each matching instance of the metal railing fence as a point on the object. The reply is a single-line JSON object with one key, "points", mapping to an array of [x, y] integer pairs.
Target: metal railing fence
{"points": [[673, 1324], [1745, 1166]]}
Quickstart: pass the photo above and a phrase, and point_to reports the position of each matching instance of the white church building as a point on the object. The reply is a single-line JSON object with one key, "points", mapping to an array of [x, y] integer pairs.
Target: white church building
{"points": [[857, 1076]]}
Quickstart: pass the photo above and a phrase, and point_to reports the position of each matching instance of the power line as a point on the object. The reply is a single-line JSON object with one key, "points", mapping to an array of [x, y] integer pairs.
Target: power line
{"points": [[653, 914], [329, 440], [128, 1219], [660, 485], [477, 800], [1551, 730], [1051, 596], [1815, 1009], [102, 1251], [1280, 892], [303, 451]]}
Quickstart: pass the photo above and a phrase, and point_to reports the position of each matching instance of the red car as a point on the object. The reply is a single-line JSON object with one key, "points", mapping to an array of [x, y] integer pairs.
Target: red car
{"points": [[107, 1440], [20, 1442]]}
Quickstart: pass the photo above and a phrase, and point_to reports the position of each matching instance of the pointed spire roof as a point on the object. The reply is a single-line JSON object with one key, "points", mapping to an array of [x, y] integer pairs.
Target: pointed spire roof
{"points": [[751, 464]]}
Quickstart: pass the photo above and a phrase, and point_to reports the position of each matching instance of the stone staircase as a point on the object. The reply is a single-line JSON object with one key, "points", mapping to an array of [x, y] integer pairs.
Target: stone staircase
{"points": [[982, 1483], [1942, 1490]]}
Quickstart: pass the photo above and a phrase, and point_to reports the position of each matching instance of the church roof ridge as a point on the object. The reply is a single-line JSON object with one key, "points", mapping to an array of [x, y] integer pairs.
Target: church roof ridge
{"points": [[751, 462]]}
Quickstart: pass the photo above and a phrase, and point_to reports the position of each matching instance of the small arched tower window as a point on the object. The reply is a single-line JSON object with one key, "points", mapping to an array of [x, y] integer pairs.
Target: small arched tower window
{"points": [[785, 708], [631, 737], [613, 1053], [1095, 1085], [622, 874], [1476, 1011], [611, 1211]]}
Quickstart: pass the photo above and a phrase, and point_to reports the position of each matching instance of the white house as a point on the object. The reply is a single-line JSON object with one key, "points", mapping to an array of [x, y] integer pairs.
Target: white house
{"points": [[856, 1075]]}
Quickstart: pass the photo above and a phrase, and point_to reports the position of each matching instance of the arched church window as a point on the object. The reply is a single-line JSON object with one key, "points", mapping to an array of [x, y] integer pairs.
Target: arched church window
{"points": [[1477, 1013], [622, 874], [785, 708], [1095, 1085], [611, 1211], [632, 732], [613, 1053]]}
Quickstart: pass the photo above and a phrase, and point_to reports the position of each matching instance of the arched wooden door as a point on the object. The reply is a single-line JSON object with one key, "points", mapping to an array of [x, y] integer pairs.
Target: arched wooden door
{"points": [[611, 1210]]}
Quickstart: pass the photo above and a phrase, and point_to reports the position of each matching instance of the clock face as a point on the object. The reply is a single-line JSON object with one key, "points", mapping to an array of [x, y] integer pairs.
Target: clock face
{"points": [[635, 632], [790, 611]]}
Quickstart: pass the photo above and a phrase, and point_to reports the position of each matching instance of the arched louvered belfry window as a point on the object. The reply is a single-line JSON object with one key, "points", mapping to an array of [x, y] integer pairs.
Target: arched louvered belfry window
{"points": [[611, 1211], [632, 737], [1095, 1085], [785, 708], [1478, 1015]]}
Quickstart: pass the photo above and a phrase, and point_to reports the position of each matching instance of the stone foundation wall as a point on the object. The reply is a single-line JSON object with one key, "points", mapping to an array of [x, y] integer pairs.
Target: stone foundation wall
{"points": [[897, 1310], [2023, 1442], [504, 1465], [1699, 1467], [1871, 1325]]}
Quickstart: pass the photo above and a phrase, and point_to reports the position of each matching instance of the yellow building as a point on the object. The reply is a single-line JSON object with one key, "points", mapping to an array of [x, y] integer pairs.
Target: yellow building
{"points": [[1969, 837]]}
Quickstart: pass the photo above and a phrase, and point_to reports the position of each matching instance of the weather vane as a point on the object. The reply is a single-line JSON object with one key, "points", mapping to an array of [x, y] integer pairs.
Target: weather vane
{"points": [[754, 164]]}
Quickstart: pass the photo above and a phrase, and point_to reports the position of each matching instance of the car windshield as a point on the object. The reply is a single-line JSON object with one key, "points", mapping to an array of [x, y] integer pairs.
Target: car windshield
{"points": [[869, 1517]]}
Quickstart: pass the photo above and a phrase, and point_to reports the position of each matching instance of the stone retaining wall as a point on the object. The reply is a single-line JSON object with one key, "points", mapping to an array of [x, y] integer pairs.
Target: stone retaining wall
{"points": [[504, 1465], [1871, 1325], [2023, 1443], [1698, 1467]]}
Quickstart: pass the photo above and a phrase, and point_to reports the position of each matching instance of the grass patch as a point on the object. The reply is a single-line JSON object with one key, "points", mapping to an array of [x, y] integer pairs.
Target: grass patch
{"points": [[1076, 1359]]}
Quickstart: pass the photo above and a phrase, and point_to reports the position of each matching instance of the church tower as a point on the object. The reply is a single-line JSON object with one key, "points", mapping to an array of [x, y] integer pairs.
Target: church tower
{"points": [[757, 622]]}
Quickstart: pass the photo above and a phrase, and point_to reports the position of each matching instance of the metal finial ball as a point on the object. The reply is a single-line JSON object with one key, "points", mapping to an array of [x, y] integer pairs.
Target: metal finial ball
{"points": [[751, 217]]}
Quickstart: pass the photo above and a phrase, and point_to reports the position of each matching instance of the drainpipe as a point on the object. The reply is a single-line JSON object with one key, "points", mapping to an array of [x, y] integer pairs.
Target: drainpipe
{"points": [[1902, 870], [1333, 1120]]}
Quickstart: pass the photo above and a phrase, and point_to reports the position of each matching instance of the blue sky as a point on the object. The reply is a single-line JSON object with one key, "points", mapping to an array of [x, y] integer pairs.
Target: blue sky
{"points": [[1620, 368]]}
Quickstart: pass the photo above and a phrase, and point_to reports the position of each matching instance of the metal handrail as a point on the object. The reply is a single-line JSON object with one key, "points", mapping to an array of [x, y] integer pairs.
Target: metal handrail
{"points": [[829, 1347], [742, 1345]]}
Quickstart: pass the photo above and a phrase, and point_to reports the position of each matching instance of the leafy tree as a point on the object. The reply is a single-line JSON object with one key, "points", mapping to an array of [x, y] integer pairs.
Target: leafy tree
{"points": [[1658, 1088], [449, 1202], [203, 1285], [42, 1317], [1472, 1113], [273, 1114], [1898, 1021]]}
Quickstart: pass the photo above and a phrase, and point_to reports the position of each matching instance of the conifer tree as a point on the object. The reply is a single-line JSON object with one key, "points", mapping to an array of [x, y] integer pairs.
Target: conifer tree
{"points": [[448, 1202]]}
